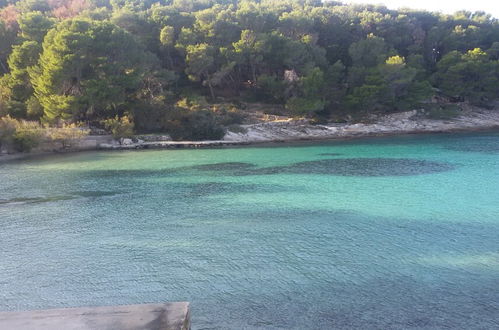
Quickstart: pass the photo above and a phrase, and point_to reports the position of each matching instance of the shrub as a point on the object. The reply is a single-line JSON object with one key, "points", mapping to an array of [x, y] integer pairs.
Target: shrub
{"points": [[237, 129], [67, 135], [7, 131], [19, 135], [3, 107], [119, 127], [194, 125], [192, 102], [16, 109], [442, 112], [26, 140], [148, 117], [304, 106], [227, 114], [34, 109], [22, 135], [271, 88], [27, 136]]}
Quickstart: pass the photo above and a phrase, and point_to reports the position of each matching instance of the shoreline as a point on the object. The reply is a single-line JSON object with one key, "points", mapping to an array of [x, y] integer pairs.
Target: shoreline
{"points": [[270, 143], [282, 132]]}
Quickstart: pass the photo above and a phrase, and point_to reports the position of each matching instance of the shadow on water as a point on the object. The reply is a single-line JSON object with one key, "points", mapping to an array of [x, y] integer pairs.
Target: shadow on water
{"points": [[178, 189], [479, 144], [34, 200], [74, 195], [330, 154], [363, 167]]}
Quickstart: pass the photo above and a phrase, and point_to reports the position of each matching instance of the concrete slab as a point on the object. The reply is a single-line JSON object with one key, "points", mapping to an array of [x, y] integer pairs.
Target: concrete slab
{"points": [[167, 316]]}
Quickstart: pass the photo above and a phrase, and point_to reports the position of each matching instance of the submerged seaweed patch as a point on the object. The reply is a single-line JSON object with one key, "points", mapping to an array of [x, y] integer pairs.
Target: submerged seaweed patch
{"points": [[75, 195], [330, 154], [365, 167], [96, 193], [338, 166], [228, 166], [486, 146], [34, 200], [343, 167]]}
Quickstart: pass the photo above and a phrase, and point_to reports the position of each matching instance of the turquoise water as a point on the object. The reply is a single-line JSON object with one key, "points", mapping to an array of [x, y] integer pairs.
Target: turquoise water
{"points": [[379, 234]]}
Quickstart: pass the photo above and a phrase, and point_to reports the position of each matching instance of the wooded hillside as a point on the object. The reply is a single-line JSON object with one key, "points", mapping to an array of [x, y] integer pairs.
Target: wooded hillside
{"points": [[159, 64]]}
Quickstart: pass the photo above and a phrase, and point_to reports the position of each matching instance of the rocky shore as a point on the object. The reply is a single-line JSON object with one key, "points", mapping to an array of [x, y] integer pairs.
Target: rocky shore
{"points": [[288, 130], [397, 123]]}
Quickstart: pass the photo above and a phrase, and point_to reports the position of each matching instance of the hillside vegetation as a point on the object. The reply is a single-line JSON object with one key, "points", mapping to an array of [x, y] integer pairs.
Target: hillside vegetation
{"points": [[187, 67]]}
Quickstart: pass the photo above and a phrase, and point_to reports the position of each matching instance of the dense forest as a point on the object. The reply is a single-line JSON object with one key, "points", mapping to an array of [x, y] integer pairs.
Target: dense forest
{"points": [[188, 66]]}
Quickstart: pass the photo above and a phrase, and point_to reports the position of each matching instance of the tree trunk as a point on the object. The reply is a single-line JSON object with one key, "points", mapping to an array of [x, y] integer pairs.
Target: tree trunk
{"points": [[208, 81], [4, 68], [253, 73], [169, 58]]}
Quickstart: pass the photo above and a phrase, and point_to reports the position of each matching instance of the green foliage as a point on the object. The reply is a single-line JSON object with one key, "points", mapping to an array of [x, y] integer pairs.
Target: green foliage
{"points": [[193, 118], [7, 39], [67, 135], [402, 90], [34, 26], [19, 135], [234, 128], [250, 51], [302, 106], [442, 111], [471, 76], [34, 110], [227, 114], [90, 60], [16, 109], [194, 126], [8, 128], [33, 5], [21, 60], [389, 86], [272, 88], [23, 136], [200, 61], [26, 138], [369, 52], [167, 36], [120, 127], [105, 65], [310, 91]]}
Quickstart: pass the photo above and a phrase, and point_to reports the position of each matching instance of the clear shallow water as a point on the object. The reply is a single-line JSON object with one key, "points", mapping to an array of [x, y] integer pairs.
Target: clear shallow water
{"points": [[383, 233]]}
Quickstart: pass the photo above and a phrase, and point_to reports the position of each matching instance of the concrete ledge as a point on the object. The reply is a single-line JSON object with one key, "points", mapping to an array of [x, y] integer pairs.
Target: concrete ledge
{"points": [[167, 316]]}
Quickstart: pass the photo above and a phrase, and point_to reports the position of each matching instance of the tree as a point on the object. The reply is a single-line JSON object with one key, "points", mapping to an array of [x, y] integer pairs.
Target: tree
{"points": [[87, 69], [167, 40], [390, 86], [403, 90], [136, 24], [167, 36], [471, 76], [91, 60], [310, 96], [369, 52], [21, 60], [249, 51], [34, 26], [200, 61], [7, 39]]}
